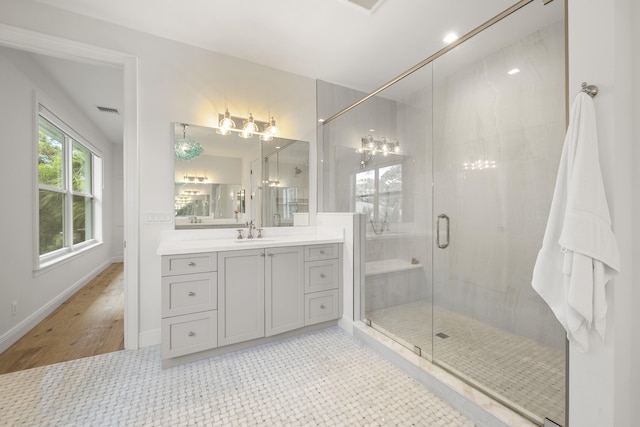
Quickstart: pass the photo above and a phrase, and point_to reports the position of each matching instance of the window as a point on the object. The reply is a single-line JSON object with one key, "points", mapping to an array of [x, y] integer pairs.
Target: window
{"points": [[379, 193], [67, 196]]}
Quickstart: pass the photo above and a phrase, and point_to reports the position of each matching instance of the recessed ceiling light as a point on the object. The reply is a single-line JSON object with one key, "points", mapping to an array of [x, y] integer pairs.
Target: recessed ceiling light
{"points": [[514, 71], [450, 38]]}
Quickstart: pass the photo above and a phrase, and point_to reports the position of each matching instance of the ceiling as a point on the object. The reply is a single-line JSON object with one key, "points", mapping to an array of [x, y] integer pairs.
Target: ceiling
{"points": [[336, 41]]}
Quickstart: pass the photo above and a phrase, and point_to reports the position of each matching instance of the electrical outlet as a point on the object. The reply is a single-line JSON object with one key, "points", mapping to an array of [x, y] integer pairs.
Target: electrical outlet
{"points": [[14, 307]]}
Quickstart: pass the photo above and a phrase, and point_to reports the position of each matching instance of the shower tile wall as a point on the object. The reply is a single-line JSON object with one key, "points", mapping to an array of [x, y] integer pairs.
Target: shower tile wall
{"points": [[498, 214]]}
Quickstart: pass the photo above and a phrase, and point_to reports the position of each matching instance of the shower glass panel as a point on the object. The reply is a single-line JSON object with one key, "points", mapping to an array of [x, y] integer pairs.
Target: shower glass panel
{"points": [[377, 163], [456, 209], [499, 122]]}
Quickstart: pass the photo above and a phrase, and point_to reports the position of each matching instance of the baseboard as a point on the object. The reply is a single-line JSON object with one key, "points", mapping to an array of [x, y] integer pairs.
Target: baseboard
{"points": [[346, 324], [149, 338], [21, 329]]}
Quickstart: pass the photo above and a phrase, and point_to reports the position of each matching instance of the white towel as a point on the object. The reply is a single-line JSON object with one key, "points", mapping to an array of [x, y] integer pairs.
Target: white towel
{"points": [[579, 253]]}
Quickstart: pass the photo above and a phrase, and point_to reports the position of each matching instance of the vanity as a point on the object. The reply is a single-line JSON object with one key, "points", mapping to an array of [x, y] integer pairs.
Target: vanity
{"points": [[221, 294]]}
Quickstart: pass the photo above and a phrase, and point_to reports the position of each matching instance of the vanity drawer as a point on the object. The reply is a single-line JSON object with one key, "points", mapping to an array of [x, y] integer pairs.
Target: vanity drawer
{"points": [[189, 333], [192, 263], [320, 307], [189, 293], [320, 252], [321, 275]]}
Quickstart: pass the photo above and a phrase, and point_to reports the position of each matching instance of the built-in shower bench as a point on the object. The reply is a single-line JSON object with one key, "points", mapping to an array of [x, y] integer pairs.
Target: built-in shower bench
{"points": [[386, 266], [393, 281]]}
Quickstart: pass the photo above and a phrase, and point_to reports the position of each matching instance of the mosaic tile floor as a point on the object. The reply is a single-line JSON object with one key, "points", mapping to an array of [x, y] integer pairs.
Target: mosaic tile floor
{"points": [[520, 371], [320, 378]]}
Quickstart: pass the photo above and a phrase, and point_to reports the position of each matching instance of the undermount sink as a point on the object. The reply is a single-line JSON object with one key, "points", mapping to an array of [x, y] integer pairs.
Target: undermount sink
{"points": [[245, 240]]}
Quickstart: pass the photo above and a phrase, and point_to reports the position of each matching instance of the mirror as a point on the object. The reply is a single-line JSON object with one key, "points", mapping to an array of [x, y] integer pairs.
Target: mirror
{"points": [[285, 183], [234, 180]]}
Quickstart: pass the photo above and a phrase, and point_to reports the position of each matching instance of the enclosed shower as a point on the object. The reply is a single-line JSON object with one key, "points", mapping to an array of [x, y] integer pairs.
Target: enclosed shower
{"points": [[453, 167]]}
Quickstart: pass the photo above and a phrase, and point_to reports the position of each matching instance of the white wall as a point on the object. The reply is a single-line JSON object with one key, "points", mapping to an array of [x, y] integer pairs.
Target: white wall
{"points": [[604, 383], [21, 78], [177, 83]]}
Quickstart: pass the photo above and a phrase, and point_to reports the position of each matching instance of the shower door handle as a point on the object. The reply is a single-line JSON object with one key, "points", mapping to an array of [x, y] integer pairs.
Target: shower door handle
{"points": [[442, 245]]}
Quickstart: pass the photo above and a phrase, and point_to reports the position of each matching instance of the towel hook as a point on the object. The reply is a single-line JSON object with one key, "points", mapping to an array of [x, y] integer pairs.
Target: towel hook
{"points": [[591, 90]]}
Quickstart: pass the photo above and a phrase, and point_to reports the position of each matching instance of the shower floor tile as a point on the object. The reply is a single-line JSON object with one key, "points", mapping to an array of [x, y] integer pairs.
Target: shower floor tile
{"points": [[519, 371], [321, 378]]}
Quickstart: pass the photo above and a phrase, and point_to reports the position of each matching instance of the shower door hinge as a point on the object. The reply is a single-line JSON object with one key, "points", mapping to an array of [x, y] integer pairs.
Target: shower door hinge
{"points": [[367, 322], [417, 350]]}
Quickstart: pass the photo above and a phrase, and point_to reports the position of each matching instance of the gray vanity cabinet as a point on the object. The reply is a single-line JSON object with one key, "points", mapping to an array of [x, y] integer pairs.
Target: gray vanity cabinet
{"points": [[189, 304], [222, 301], [240, 295], [322, 283], [284, 286], [261, 293]]}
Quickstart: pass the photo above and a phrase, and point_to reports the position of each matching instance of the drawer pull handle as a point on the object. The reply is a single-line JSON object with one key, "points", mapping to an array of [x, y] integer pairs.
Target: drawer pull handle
{"points": [[322, 276], [322, 306], [192, 334], [191, 294], [192, 264]]}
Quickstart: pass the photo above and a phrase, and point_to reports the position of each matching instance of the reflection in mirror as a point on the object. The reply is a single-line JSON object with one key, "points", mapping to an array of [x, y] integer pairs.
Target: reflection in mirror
{"points": [[221, 186], [286, 183]]}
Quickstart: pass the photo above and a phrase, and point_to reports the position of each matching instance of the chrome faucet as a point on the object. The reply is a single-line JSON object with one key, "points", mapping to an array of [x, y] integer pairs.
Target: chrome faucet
{"points": [[251, 227]]}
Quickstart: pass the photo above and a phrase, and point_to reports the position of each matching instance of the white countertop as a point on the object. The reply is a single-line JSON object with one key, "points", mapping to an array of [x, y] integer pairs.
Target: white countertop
{"points": [[186, 245]]}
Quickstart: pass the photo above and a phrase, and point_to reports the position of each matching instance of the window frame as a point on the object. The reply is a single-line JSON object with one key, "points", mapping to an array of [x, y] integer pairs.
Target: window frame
{"points": [[69, 249], [374, 215]]}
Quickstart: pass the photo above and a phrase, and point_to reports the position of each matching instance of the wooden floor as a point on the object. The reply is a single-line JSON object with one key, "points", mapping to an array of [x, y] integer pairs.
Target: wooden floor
{"points": [[90, 322]]}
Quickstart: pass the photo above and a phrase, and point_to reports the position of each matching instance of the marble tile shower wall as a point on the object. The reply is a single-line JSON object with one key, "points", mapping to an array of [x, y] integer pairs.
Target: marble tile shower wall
{"points": [[481, 113]]}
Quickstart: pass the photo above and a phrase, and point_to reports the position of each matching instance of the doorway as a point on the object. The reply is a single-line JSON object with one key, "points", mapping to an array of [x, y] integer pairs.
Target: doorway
{"points": [[42, 44]]}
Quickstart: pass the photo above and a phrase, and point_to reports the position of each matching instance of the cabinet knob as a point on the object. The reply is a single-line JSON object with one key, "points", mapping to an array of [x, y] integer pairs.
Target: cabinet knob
{"points": [[192, 334], [269, 254], [262, 254], [322, 252], [322, 306], [192, 264], [191, 294], [322, 276]]}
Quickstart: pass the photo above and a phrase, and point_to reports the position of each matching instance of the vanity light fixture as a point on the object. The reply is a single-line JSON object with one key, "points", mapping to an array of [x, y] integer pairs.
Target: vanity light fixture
{"points": [[270, 131], [250, 127], [370, 147], [195, 179], [187, 148], [226, 124], [275, 182]]}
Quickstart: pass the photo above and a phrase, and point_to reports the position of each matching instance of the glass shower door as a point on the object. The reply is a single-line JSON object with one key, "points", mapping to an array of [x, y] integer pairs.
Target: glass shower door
{"points": [[497, 138]]}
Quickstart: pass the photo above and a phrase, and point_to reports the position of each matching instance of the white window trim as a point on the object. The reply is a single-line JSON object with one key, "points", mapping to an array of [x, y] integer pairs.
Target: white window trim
{"points": [[42, 263], [375, 214]]}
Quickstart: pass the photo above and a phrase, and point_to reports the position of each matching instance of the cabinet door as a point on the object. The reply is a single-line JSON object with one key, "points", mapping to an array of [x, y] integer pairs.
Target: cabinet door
{"points": [[240, 296], [284, 288]]}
